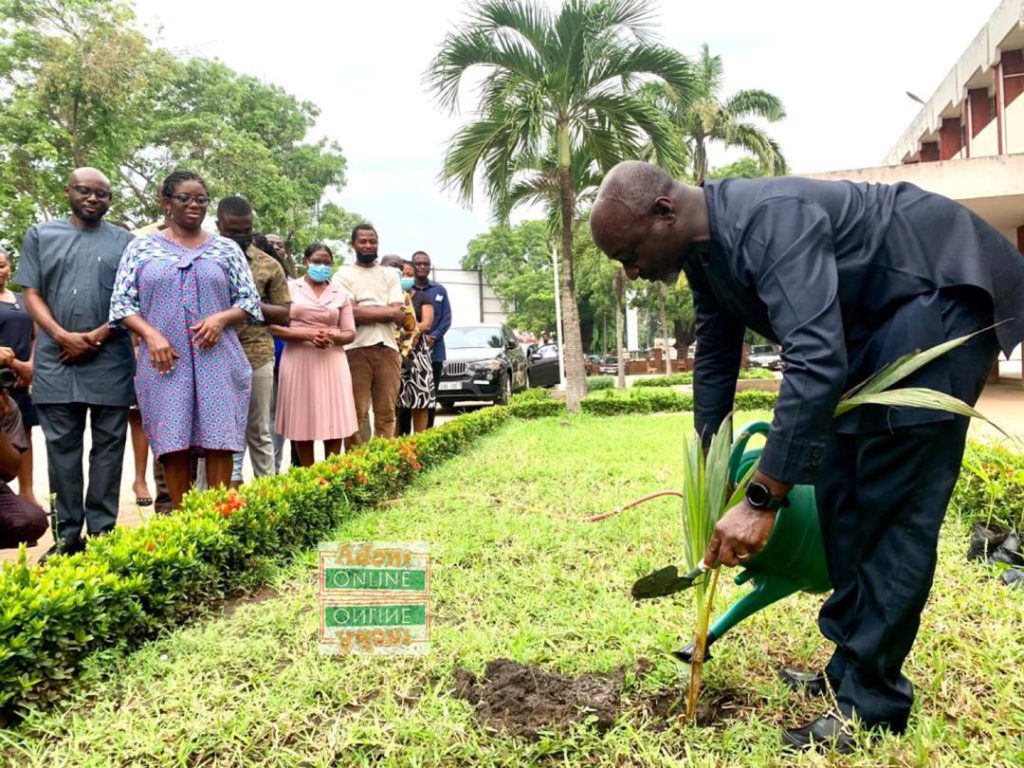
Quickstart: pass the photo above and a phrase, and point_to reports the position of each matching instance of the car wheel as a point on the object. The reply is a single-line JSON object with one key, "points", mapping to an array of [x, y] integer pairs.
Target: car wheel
{"points": [[506, 390]]}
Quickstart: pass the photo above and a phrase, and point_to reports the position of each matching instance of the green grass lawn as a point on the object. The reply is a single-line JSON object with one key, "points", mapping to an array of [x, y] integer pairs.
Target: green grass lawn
{"points": [[517, 576]]}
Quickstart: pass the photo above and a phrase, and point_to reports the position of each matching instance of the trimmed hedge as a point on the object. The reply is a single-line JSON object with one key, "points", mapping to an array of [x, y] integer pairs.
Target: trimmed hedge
{"points": [[669, 380], [597, 383], [616, 402], [676, 379], [131, 585]]}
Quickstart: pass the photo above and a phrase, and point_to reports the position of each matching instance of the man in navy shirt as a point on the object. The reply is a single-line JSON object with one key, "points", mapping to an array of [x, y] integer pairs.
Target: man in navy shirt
{"points": [[847, 278], [438, 297]]}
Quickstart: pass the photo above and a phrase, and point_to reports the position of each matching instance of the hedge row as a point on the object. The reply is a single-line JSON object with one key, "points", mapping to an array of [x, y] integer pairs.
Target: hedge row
{"points": [[675, 379], [129, 586], [614, 402]]}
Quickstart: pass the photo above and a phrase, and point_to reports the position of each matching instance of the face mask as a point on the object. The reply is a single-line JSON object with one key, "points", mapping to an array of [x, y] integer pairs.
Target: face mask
{"points": [[243, 241], [366, 258], [408, 283], [319, 273]]}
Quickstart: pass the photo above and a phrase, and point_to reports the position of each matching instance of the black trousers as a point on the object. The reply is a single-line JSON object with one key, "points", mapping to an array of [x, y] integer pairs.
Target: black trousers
{"points": [[64, 428], [881, 501]]}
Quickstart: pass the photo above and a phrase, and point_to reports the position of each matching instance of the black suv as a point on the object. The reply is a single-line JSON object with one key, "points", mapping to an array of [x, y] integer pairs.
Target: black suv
{"points": [[484, 362]]}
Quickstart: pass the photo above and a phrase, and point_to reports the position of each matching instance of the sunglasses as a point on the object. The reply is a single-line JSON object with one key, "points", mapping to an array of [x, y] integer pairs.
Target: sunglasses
{"points": [[99, 194]]}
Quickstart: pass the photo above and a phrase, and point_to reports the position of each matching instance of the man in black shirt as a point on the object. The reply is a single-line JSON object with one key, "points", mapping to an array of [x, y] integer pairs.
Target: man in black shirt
{"points": [[847, 278]]}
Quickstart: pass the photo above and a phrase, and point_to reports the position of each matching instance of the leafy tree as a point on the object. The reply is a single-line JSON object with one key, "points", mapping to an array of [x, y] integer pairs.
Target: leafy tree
{"points": [[557, 102], [744, 168], [517, 264], [80, 86]]}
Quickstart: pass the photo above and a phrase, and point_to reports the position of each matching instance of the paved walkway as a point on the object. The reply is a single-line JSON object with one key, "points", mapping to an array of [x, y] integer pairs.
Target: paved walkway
{"points": [[1002, 403]]}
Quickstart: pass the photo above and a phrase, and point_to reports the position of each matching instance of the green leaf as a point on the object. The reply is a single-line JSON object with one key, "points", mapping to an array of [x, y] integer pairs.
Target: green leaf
{"points": [[914, 397]]}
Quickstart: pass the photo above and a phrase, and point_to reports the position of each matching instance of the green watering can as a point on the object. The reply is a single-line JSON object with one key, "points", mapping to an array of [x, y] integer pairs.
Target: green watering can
{"points": [[792, 560]]}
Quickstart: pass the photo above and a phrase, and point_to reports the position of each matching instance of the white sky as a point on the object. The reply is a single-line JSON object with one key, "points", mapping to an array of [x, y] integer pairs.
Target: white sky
{"points": [[841, 70]]}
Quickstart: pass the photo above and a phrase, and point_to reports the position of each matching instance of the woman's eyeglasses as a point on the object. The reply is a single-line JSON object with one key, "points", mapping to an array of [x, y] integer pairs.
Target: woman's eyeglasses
{"points": [[201, 200]]}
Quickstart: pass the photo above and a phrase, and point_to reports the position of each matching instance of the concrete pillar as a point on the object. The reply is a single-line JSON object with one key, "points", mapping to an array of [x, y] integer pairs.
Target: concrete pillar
{"points": [[1000, 106]]}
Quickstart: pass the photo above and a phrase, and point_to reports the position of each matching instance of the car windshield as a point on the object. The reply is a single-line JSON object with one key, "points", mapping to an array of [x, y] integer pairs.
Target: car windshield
{"points": [[473, 336]]}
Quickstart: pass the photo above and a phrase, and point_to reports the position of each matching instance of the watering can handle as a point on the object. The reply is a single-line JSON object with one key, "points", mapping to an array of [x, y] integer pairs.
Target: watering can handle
{"points": [[740, 446]]}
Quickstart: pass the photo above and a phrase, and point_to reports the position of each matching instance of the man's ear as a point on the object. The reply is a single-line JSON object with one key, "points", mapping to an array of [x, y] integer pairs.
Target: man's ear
{"points": [[664, 207]]}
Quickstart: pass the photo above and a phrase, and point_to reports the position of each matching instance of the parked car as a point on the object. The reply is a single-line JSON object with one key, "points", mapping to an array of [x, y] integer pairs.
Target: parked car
{"points": [[484, 363], [542, 365], [766, 356], [609, 366]]}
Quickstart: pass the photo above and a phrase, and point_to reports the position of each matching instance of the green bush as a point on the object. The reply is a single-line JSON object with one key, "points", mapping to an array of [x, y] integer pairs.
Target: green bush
{"points": [[531, 395], [537, 409], [671, 380], [756, 373], [137, 582], [597, 383], [991, 486], [755, 400], [615, 402]]}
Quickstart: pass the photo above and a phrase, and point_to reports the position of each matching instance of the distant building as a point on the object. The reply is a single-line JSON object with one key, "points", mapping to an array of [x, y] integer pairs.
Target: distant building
{"points": [[967, 142]]}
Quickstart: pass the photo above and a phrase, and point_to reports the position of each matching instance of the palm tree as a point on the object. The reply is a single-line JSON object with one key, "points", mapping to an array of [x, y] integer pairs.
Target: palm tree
{"points": [[558, 102], [708, 118]]}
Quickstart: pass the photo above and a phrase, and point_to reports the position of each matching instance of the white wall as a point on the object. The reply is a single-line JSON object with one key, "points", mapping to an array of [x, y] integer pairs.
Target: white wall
{"points": [[1015, 127], [986, 143], [464, 293]]}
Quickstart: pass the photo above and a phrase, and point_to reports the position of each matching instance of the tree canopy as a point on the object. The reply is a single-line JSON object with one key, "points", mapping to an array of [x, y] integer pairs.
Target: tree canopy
{"points": [[84, 87]]}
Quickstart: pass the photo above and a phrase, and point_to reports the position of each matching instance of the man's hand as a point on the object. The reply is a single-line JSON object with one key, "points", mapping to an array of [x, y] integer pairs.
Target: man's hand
{"points": [[76, 347], [398, 314], [6, 356], [431, 341], [161, 353], [206, 333], [741, 533]]}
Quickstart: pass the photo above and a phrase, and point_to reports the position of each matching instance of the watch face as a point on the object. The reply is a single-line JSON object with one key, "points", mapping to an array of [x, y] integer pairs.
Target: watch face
{"points": [[758, 495]]}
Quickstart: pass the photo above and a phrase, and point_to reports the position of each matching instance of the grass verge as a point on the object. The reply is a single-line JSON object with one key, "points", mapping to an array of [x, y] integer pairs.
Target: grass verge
{"points": [[518, 576]]}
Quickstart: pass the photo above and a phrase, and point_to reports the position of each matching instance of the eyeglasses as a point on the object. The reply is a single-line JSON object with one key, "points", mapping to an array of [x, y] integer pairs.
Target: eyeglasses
{"points": [[99, 194], [201, 200]]}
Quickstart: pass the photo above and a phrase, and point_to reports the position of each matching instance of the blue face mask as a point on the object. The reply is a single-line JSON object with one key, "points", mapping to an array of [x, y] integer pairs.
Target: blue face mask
{"points": [[319, 273], [408, 283]]}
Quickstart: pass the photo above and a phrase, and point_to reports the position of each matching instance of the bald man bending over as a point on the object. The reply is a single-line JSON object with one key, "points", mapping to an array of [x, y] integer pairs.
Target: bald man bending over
{"points": [[67, 269], [847, 278]]}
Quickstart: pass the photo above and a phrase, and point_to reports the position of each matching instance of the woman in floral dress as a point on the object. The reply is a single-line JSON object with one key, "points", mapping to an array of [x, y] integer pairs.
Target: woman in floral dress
{"points": [[181, 290]]}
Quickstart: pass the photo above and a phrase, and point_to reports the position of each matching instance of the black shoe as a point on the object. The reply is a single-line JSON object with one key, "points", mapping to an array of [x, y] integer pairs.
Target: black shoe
{"points": [[828, 733], [811, 683], [70, 547]]}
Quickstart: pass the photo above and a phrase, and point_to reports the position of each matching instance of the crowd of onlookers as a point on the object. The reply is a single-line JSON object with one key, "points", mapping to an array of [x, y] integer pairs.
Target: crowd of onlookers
{"points": [[207, 346]]}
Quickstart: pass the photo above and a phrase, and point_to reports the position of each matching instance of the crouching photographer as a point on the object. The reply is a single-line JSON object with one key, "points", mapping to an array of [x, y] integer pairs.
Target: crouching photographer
{"points": [[21, 521]]}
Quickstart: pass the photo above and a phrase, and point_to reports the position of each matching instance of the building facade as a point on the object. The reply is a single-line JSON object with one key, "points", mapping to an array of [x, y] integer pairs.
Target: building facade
{"points": [[967, 142]]}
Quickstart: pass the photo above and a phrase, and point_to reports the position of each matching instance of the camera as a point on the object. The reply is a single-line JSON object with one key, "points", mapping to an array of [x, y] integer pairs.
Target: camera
{"points": [[8, 378]]}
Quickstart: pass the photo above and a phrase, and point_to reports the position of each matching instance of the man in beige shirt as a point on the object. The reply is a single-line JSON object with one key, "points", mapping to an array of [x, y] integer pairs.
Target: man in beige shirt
{"points": [[373, 359]]}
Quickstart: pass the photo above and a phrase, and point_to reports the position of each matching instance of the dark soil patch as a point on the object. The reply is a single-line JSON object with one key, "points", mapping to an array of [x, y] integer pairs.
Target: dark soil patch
{"points": [[264, 593], [526, 700], [666, 707]]}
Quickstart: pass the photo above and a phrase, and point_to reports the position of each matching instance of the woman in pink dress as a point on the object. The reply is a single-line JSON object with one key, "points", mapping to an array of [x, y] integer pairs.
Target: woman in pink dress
{"points": [[314, 391]]}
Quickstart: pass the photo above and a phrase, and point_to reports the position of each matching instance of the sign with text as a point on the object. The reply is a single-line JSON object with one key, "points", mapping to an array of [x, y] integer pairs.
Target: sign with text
{"points": [[374, 597]]}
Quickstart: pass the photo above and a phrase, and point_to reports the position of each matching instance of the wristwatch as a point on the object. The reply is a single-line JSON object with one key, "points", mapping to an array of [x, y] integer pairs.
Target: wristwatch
{"points": [[759, 496]]}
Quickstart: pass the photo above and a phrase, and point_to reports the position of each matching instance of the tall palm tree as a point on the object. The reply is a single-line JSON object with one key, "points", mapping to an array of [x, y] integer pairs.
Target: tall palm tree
{"points": [[558, 101], [709, 118]]}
